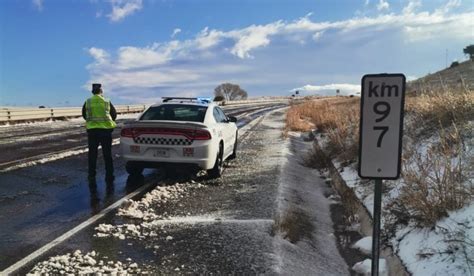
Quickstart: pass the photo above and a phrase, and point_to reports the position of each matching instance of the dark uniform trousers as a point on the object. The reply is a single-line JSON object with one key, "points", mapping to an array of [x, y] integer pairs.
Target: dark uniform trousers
{"points": [[101, 137]]}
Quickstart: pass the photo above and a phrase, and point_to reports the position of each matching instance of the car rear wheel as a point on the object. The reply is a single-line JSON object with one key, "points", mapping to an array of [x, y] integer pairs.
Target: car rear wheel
{"points": [[218, 168], [133, 168], [234, 152]]}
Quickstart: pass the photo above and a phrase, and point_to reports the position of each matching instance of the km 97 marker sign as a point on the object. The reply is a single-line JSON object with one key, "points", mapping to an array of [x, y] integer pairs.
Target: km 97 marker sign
{"points": [[381, 126]]}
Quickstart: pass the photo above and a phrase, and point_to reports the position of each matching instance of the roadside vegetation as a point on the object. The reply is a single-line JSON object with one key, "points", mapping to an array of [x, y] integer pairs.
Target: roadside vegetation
{"points": [[437, 167], [336, 119], [437, 163]]}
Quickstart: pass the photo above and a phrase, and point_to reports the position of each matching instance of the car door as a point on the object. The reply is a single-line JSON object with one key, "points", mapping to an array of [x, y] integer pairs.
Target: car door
{"points": [[220, 125], [229, 132]]}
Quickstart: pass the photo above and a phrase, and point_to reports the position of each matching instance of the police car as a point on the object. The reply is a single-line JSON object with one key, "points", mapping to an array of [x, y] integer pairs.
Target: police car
{"points": [[180, 131]]}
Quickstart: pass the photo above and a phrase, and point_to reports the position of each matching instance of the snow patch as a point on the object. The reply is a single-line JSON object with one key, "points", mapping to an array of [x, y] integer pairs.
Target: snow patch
{"points": [[364, 245], [89, 263], [365, 266]]}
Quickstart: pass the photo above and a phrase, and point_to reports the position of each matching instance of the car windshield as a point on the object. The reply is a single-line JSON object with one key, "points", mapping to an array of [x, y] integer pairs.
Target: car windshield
{"points": [[176, 112]]}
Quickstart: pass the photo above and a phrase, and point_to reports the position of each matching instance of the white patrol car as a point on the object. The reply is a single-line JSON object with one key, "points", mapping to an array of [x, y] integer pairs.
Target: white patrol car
{"points": [[184, 131]]}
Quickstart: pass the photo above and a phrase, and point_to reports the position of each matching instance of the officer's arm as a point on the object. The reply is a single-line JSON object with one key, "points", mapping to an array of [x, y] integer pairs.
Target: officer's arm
{"points": [[113, 112], [84, 112]]}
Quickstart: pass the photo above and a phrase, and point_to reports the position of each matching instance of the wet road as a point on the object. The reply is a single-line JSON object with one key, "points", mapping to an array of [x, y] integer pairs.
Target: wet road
{"points": [[29, 142], [32, 200], [226, 225]]}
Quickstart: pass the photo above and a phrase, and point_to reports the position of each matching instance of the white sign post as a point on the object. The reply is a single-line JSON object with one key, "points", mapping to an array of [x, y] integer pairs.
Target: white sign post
{"points": [[380, 141]]}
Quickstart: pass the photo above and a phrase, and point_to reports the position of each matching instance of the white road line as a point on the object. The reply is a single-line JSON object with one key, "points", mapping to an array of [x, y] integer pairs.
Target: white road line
{"points": [[71, 232], [94, 219]]}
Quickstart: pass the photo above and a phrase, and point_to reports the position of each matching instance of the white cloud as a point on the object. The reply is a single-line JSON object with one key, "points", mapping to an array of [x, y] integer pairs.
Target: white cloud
{"points": [[132, 57], [329, 89], [175, 32], [451, 4], [124, 8], [38, 4], [253, 37], [412, 6], [280, 53], [100, 55], [383, 5], [206, 39]]}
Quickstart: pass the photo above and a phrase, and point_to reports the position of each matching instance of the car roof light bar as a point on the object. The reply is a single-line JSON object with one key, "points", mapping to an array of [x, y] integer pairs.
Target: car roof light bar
{"points": [[203, 100]]}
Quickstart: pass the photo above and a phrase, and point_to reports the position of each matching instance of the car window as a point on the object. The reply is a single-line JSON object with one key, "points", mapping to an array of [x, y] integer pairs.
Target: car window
{"points": [[218, 116], [176, 112], [223, 116]]}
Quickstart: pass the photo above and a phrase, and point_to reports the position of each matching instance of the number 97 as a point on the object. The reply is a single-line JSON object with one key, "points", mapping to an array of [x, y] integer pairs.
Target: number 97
{"points": [[383, 109]]}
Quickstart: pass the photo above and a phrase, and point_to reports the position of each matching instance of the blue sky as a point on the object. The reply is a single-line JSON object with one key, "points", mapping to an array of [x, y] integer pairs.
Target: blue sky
{"points": [[52, 50]]}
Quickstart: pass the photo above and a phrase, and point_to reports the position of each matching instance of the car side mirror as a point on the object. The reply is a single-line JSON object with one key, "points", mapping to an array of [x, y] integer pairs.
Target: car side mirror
{"points": [[232, 119]]}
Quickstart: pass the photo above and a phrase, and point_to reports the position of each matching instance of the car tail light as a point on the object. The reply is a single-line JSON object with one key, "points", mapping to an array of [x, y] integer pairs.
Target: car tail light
{"points": [[188, 133], [127, 132], [202, 135]]}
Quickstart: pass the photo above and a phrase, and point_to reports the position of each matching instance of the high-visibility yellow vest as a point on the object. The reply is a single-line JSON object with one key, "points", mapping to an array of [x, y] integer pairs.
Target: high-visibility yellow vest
{"points": [[98, 113]]}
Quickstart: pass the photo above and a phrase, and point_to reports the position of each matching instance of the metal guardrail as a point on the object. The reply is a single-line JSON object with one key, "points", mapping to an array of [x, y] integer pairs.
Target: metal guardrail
{"points": [[12, 115], [256, 101], [8, 115]]}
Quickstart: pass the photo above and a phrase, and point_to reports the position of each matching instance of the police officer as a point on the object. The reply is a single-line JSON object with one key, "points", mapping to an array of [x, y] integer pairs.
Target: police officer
{"points": [[100, 116]]}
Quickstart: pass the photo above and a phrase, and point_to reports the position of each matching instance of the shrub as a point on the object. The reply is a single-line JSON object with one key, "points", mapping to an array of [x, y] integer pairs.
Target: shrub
{"points": [[454, 64], [435, 181]]}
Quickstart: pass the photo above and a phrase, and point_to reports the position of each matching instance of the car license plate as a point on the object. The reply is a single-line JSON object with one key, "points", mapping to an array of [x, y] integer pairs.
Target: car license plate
{"points": [[162, 153]]}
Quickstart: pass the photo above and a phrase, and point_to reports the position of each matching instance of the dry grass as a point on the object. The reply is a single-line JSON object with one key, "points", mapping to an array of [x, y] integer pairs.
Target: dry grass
{"points": [[439, 109], [436, 179], [294, 225], [337, 118]]}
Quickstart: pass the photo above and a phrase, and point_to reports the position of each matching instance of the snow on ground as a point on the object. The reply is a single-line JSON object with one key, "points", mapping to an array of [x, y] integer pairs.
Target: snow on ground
{"points": [[445, 249], [301, 194], [425, 251], [160, 195], [89, 263], [365, 267], [145, 210], [364, 245]]}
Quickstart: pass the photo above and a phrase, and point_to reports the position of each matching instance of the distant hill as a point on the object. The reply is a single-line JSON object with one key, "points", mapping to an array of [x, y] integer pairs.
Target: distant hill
{"points": [[461, 76]]}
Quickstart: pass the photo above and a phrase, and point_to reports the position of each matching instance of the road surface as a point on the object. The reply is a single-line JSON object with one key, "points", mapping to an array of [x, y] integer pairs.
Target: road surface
{"points": [[182, 223]]}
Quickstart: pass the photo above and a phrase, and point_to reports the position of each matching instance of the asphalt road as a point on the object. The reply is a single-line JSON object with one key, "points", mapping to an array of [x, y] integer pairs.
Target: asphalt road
{"points": [[240, 205], [40, 202], [268, 214]]}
